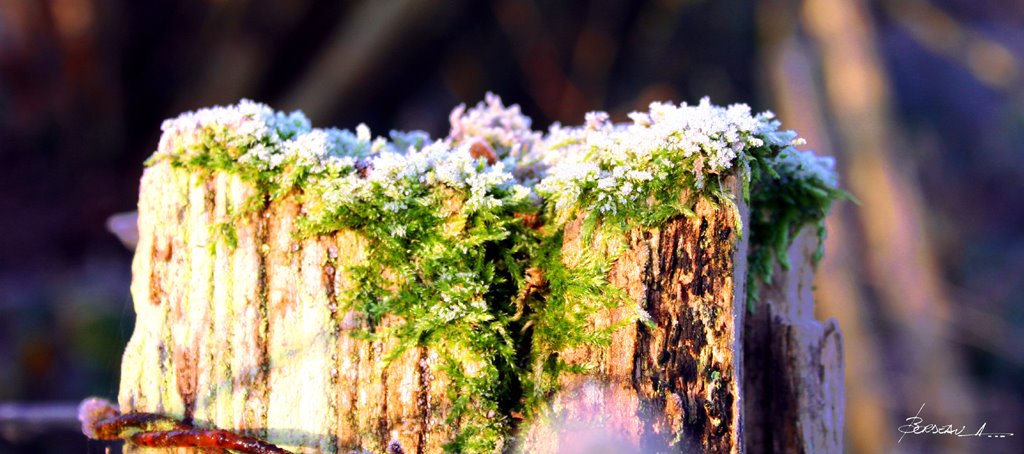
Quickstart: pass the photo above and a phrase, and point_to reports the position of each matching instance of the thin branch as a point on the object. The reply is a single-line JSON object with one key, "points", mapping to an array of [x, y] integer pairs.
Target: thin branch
{"points": [[102, 421]]}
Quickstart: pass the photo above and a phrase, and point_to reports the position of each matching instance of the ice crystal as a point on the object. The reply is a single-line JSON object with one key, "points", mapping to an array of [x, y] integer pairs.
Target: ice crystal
{"points": [[248, 131], [505, 129]]}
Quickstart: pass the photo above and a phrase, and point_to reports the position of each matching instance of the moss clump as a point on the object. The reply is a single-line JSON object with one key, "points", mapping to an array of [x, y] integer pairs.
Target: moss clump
{"points": [[793, 188], [642, 174], [447, 219]]}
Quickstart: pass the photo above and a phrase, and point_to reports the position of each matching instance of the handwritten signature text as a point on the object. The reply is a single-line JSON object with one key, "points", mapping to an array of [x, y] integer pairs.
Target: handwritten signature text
{"points": [[915, 425]]}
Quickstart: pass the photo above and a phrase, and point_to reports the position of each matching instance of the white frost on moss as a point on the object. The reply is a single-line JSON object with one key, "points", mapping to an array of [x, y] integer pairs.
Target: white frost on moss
{"points": [[805, 165], [251, 132], [614, 163], [506, 130], [598, 166]]}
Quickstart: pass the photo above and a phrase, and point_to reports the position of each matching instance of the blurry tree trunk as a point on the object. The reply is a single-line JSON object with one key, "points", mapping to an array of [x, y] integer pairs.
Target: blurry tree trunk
{"points": [[896, 256], [370, 36], [790, 74], [250, 338]]}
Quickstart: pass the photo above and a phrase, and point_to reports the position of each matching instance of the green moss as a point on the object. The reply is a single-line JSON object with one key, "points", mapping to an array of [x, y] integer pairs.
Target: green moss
{"points": [[561, 318], [780, 205]]}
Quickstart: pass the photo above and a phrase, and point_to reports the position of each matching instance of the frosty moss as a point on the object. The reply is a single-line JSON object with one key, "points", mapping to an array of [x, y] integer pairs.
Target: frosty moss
{"points": [[639, 170]]}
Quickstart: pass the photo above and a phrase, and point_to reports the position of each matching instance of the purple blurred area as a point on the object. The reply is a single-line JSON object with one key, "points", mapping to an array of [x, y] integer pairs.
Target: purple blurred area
{"points": [[921, 101]]}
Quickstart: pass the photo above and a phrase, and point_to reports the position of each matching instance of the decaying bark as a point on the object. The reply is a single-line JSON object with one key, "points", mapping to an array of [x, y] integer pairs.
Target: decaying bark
{"points": [[793, 381], [252, 338], [674, 385]]}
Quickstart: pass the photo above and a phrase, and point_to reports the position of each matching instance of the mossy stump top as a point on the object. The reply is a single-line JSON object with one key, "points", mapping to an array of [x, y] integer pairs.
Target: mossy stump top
{"points": [[500, 289]]}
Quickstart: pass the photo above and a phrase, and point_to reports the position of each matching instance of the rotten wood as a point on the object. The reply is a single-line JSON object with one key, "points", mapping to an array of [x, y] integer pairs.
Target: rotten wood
{"points": [[673, 385]]}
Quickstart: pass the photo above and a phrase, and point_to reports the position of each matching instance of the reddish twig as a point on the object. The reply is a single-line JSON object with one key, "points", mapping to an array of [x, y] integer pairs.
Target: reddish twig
{"points": [[120, 426], [205, 438], [102, 421]]}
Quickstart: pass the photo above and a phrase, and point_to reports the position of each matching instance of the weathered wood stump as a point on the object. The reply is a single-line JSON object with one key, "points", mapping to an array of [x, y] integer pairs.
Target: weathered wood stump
{"points": [[245, 324]]}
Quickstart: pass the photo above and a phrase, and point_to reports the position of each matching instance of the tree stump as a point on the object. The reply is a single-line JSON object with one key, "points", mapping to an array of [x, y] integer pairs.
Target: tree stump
{"points": [[241, 323]]}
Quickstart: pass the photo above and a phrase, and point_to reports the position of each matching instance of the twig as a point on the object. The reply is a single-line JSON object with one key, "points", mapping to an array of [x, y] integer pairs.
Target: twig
{"points": [[102, 421], [205, 438]]}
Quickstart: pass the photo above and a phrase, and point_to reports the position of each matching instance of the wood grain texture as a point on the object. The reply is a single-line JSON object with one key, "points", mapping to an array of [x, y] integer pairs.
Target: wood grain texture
{"points": [[254, 337]]}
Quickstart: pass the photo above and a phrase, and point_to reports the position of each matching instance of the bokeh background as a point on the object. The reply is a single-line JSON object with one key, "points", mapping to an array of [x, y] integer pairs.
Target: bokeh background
{"points": [[920, 101]]}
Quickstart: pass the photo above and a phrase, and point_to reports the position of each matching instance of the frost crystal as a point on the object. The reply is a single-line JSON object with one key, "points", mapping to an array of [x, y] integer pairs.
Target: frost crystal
{"points": [[248, 131], [506, 129], [255, 135]]}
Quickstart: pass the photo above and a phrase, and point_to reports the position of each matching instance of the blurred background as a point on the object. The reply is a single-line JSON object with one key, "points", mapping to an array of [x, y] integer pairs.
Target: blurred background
{"points": [[920, 101]]}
